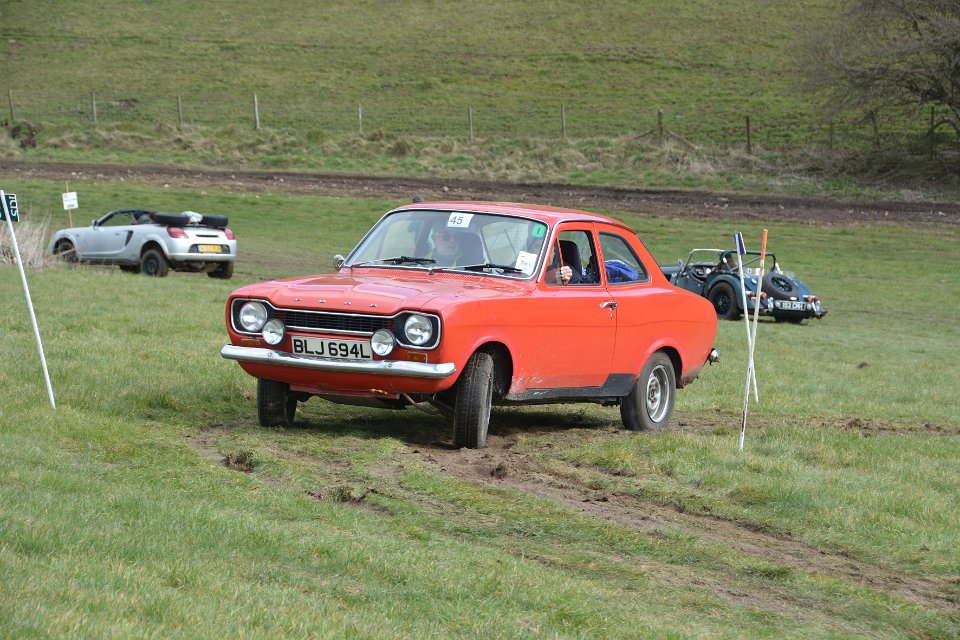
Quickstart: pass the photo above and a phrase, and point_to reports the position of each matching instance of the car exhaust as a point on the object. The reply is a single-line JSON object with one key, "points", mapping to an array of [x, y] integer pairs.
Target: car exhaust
{"points": [[714, 356]]}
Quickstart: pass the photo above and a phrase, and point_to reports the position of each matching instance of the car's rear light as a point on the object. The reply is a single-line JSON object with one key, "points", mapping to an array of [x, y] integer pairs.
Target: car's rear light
{"points": [[227, 232], [176, 232]]}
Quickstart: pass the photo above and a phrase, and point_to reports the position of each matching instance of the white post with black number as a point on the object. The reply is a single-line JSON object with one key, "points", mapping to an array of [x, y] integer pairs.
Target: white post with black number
{"points": [[9, 210]]}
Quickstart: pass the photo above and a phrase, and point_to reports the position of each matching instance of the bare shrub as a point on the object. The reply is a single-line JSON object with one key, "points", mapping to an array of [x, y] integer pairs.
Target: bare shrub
{"points": [[31, 240]]}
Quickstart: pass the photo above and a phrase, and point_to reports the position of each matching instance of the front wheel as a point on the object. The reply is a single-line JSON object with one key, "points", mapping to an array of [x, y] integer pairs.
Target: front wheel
{"points": [[471, 414], [65, 251], [649, 405], [275, 404]]}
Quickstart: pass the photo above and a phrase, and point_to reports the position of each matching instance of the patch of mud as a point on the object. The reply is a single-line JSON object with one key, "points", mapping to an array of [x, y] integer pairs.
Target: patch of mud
{"points": [[686, 204], [871, 427], [501, 466]]}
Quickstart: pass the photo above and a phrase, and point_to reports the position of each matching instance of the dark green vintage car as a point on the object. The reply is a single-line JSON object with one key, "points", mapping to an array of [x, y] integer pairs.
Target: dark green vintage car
{"points": [[715, 275]]}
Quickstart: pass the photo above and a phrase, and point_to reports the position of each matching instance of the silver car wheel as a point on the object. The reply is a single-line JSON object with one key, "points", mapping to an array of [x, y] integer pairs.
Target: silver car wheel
{"points": [[657, 392]]}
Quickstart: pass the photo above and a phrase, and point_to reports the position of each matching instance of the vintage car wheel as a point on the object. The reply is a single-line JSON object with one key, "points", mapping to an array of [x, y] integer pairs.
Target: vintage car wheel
{"points": [[275, 404], [649, 404], [153, 263], [724, 301], [471, 415], [224, 271], [65, 251], [778, 287]]}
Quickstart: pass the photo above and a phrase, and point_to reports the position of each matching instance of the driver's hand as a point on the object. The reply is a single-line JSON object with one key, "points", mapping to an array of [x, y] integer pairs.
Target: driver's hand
{"points": [[565, 274]]}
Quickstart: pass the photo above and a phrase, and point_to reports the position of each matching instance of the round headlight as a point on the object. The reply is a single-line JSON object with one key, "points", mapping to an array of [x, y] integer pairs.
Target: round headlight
{"points": [[252, 316], [382, 342], [418, 330], [274, 331]]}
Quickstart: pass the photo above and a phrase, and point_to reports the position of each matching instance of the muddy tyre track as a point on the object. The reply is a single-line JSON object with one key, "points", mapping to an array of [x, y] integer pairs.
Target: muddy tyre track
{"points": [[501, 467]]}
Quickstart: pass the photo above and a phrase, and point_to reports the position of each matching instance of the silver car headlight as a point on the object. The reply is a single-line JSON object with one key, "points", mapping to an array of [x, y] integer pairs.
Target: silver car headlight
{"points": [[252, 316], [274, 331], [418, 329], [382, 342]]}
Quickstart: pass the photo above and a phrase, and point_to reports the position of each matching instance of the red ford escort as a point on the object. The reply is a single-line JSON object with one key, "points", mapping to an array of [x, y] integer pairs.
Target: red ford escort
{"points": [[463, 305]]}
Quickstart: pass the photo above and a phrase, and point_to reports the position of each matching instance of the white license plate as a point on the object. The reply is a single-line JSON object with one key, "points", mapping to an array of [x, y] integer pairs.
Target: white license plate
{"points": [[790, 305], [324, 348], [209, 248]]}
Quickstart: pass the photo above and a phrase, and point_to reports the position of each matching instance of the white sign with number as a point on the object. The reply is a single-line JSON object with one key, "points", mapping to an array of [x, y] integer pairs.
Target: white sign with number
{"points": [[70, 201], [459, 220]]}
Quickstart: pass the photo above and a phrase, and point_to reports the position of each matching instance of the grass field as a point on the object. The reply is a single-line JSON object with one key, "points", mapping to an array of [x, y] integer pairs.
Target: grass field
{"points": [[150, 504], [417, 71]]}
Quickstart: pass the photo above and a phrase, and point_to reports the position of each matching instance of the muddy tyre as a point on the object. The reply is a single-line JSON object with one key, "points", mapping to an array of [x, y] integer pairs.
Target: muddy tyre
{"points": [[65, 251], [275, 404], [724, 301], [649, 405], [154, 264], [471, 414], [224, 271]]}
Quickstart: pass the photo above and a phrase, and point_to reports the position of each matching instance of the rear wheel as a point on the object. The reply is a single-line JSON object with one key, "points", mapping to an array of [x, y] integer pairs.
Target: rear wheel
{"points": [[723, 301], [224, 271], [471, 415], [275, 404], [65, 251], [153, 263], [649, 405]]}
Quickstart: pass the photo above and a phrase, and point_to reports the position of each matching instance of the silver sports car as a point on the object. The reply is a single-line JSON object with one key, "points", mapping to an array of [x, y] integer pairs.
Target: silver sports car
{"points": [[152, 243]]}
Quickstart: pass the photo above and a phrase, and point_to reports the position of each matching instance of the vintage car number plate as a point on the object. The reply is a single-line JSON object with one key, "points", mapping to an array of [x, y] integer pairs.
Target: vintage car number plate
{"points": [[322, 347], [790, 305], [209, 248]]}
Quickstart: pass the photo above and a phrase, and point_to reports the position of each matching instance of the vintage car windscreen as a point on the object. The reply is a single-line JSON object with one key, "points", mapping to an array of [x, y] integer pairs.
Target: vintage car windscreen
{"points": [[456, 240]]}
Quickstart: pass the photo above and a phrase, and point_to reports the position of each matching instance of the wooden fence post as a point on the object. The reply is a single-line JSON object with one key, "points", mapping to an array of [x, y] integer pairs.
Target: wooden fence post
{"points": [[830, 135], [256, 112], [933, 141], [660, 127], [179, 111], [876, 129], [470, 121], [93, 101], [360, 117], [10, 102], [749, 140], [563, 121]]}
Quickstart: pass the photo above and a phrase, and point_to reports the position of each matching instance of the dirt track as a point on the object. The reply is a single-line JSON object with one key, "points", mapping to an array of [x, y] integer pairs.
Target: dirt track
{"points": [[651, 201]]}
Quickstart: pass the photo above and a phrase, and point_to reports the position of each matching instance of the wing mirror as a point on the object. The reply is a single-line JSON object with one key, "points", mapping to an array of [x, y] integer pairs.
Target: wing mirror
{"points": [[338, 261]]}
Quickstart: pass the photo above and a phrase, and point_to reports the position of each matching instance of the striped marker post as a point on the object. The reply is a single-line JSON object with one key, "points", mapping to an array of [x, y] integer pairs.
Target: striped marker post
{"points": [[753, 342]]}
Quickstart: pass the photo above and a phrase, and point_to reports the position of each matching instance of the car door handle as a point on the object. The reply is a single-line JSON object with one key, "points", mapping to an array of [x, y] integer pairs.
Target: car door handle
{"points": [[609, 304]]}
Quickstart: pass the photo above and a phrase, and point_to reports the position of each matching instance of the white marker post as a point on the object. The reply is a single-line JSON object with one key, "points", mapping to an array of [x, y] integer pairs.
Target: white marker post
{"points": [[742, 251], [753, 341], [10, 210]]}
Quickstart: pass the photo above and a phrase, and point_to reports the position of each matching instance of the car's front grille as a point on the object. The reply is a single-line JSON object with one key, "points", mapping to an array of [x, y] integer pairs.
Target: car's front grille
{"points": [[333, 322]]}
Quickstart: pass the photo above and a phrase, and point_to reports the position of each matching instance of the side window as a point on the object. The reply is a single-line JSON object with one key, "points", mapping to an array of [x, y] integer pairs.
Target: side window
{"points": [[619, 261], [576, 251], [118, 219]]}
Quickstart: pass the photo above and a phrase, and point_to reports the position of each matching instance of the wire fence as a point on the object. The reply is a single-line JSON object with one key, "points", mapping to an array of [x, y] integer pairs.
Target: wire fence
{"points": [[573, 119]]}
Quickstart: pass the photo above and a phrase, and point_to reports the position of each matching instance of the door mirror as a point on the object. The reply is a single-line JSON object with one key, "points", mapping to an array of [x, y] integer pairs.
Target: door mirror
{"points": [[338, 261]]}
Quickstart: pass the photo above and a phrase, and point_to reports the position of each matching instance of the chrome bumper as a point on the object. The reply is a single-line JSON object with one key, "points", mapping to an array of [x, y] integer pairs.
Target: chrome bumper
{"points": [[377, 367]]}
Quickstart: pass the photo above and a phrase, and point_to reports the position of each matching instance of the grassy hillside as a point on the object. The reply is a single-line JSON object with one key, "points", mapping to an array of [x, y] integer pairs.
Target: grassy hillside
{"points": [[398, 88], [152, 504], [416, 66]]}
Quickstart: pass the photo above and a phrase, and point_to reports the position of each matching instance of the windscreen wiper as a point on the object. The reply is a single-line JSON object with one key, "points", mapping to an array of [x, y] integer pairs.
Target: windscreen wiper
{"points": [[403, 259], [491, 265]]}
